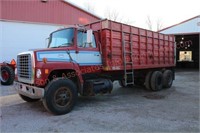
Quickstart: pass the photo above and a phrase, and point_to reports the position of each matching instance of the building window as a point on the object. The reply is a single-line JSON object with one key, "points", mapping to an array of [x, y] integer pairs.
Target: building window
{"points": [[185, 55]]}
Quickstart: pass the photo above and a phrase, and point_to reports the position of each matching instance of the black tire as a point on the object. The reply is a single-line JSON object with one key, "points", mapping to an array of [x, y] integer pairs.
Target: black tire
{"points": [[7, 75], [167, 78], [60, 96], [27, 99], [147, 82], [156, 81]]}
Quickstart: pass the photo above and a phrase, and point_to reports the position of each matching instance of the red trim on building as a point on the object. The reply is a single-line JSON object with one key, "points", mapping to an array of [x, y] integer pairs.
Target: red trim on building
{"points": [[52, 11]]}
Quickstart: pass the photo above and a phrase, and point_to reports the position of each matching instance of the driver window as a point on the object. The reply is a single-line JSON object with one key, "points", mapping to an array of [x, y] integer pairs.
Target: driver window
{"points": [[82, 40]]}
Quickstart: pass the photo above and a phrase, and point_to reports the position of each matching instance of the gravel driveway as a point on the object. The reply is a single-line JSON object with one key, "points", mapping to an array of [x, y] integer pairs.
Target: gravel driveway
{"points": [[124, 110]]}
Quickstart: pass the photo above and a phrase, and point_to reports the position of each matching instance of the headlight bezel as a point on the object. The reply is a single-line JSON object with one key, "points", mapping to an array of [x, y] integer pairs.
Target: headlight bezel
{"points": [[16, 71], [38, 73]]}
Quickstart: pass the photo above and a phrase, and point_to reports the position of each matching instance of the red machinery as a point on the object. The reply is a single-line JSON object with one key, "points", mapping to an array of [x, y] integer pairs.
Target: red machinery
{"points": [[86, 59], [7, 75]]}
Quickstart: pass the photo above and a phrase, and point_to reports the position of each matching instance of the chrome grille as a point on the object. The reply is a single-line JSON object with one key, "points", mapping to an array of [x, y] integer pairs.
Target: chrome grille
{"points": [[24, 66]]}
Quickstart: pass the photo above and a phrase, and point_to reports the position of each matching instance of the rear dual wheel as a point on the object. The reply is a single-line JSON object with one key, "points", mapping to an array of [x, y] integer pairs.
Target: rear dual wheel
{"points": [[167, 78], [147, 83], [155, 80]]}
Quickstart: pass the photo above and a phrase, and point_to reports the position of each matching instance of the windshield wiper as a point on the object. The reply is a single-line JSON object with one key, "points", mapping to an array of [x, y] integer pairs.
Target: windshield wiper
{"points": [[65, 45]]}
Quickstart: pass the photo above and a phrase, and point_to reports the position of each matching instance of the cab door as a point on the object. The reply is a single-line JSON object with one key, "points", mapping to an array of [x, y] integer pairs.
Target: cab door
{"points": [[88, 53]]}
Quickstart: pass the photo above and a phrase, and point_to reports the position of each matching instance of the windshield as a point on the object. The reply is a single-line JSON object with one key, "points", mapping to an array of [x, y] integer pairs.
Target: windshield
{"points": [[62, 38]]}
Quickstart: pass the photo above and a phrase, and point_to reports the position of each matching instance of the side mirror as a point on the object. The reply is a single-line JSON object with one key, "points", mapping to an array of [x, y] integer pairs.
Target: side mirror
{"points": [[89, 36], [46, 42]]}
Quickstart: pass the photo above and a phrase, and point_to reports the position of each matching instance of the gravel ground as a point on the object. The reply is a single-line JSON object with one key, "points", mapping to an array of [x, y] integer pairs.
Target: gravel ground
{"points": [[124, 110]]}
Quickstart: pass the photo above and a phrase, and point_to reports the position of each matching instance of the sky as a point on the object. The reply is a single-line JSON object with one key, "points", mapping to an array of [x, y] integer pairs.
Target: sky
{"points": [[169, 12]]}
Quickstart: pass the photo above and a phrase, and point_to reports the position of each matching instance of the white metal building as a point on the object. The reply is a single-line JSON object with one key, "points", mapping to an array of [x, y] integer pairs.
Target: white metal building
{"points": [[26, 24], [187, 37], [18, 37]]}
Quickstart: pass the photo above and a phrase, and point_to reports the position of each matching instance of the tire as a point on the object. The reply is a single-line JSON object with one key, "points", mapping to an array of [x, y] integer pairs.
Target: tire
{"points": [[156, 81], [147, 82], [27, 99], [167, 78], [7, 75], [60, 96]]}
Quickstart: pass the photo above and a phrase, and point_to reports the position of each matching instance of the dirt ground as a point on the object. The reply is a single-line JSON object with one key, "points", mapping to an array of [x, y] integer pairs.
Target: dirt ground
{"points": [[124, 110]]}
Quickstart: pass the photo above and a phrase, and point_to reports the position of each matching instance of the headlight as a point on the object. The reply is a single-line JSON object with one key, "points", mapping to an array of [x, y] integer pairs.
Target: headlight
{"points": [[38, 73]]}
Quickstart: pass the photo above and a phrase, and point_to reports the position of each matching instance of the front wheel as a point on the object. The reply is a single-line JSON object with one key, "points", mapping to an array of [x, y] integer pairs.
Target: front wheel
{"points": [[60, 96]]}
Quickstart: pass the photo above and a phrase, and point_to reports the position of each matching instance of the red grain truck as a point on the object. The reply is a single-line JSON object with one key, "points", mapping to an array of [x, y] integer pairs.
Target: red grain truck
{"points": [[86, 60]]}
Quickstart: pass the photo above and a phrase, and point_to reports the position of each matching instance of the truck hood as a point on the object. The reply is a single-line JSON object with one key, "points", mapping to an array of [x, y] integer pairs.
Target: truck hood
{"points": [[54, 54]]}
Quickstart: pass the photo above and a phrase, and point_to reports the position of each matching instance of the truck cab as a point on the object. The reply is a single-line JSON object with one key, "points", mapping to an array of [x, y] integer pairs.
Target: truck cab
{"points": [[79, 43], [58, 73]]}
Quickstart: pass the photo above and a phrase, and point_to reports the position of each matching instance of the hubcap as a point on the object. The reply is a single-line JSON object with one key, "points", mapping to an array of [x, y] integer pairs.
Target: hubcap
{"points": [[62, 97]]}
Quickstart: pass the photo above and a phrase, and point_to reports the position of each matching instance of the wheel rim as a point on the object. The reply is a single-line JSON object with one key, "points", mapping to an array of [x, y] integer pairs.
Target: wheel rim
{"points": [[63, 97], [4, 75]]}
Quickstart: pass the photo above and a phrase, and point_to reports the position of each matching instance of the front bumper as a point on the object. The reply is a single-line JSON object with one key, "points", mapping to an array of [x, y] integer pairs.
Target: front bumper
{"points": [[29, 91]]}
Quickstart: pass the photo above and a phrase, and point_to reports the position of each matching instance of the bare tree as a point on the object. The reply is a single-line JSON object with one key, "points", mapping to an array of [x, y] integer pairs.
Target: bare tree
{"points": [[112, 14], [159, 24], [149, 23]]}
